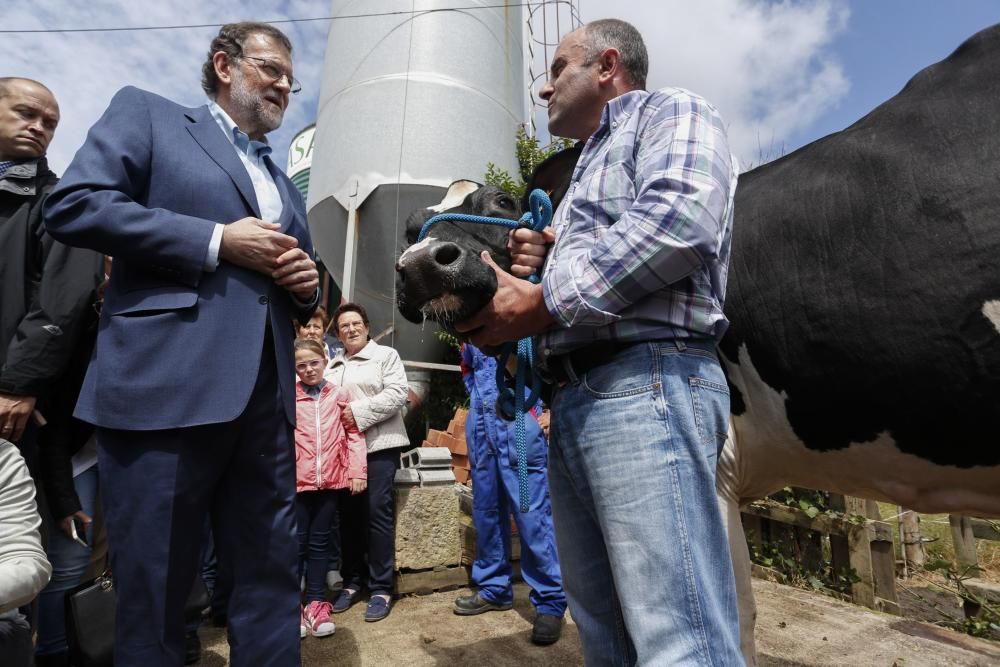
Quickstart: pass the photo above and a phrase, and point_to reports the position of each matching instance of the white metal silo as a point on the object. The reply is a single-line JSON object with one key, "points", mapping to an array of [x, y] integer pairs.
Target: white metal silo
{"points": [[415, 94]]}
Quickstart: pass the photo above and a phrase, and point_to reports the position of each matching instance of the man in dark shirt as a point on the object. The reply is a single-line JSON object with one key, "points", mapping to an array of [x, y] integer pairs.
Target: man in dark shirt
{"points": [[46, 296], [47, 287]]}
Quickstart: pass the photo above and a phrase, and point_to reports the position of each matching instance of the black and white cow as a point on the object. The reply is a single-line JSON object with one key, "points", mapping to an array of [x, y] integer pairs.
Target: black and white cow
{"points": [[864, 297]]}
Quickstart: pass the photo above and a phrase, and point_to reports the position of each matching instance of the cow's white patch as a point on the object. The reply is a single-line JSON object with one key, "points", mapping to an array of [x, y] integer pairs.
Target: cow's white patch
{"points": [[414, 248], [763, 455], [991, 309], [457, 192]]}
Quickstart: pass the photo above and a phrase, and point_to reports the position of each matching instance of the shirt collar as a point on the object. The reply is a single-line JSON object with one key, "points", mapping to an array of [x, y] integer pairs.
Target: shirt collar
{"points": [[314, 390], [240, 139], [27, 164], [364, 353], [618, 110]]}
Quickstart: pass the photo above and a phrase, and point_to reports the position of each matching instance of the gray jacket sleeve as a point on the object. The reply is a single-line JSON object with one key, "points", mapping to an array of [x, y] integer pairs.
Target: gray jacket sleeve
{"points": [[24, 570]]}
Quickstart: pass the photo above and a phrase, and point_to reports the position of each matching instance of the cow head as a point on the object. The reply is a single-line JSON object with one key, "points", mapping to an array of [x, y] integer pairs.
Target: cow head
{"points": [[442, 277]]}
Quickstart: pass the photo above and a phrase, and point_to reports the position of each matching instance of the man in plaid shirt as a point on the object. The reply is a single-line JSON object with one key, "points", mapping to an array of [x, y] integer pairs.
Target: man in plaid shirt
{"points": [[626, 320]]}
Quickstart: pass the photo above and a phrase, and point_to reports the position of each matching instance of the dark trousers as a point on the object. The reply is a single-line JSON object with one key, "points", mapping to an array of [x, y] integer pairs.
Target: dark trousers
{"points": [[314, 513], [158, 486], [368, 527], [15, 640]]}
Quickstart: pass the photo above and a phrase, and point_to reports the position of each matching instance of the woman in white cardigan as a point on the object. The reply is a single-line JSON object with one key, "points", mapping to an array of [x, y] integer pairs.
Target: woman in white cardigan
{"points": [[374, 374], [24, 570]]}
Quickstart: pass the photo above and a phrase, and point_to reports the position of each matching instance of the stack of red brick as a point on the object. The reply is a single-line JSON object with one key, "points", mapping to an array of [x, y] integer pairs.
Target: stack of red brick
{"points": [[454, 439]]}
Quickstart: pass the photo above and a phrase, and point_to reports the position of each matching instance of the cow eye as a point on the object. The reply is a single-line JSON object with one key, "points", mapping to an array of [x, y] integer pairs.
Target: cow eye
{"points": [[506, 202]]}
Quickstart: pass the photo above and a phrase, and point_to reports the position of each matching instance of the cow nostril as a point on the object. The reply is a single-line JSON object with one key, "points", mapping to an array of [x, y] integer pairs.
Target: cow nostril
{"points": [[446, 254]]}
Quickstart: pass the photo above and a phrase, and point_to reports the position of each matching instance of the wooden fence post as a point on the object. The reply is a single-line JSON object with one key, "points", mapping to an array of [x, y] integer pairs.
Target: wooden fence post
{"points": [[964, 541], [883, 557], [913, 541]]}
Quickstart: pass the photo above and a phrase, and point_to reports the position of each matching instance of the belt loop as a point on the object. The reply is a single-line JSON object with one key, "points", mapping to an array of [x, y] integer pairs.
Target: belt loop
{"points": [[680, 344], [567, 365]]}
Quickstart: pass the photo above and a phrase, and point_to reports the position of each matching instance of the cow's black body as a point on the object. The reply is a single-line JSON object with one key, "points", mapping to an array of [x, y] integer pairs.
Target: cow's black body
{"points": [[861, 264]]}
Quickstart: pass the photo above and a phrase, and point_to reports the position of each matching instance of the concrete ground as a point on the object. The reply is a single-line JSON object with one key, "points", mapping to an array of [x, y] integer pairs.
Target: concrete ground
{"points": [[794, 627]]}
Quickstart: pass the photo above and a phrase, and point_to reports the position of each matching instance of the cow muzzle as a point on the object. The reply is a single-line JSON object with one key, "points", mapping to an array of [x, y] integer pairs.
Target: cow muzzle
{"points": [[442, 281]]}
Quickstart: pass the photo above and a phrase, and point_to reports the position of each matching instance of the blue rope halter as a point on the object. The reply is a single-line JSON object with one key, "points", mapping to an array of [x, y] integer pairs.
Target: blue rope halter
{"points": [[511, 403]]}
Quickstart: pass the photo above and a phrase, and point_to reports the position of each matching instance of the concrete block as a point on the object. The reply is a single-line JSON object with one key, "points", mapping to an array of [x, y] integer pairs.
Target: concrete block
{"points": [[407, 477], [426, 457], [436, 477], [427, 529]]}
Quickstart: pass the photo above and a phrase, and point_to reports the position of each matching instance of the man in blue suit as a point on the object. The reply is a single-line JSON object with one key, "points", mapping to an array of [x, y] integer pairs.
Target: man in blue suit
{"points": [[191, 385]]}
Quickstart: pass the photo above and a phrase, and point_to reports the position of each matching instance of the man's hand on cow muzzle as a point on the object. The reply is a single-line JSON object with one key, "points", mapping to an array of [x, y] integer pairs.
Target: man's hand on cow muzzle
{"points": [[528, 249], [516, 311]]}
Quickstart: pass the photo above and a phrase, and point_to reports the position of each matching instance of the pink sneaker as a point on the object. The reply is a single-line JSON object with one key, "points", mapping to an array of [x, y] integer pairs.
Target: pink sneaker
{"points": [[303, 628], [317, 619]]}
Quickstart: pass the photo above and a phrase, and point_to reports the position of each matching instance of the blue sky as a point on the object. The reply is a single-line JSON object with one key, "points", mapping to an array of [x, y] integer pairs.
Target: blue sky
{"points": [[886, 42], [781, 73]]}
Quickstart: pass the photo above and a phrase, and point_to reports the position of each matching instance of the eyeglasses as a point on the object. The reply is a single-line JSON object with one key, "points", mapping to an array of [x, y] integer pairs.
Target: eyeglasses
{"points": [[310, 365], [274, 72]]}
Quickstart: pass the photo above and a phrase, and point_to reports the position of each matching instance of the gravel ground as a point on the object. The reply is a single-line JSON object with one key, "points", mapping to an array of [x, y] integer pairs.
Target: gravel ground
{"points": [[794, 627]]}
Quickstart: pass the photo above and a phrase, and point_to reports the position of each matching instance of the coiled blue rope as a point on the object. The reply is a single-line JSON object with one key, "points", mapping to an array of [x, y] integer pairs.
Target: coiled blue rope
{"points": [[511, 401]]}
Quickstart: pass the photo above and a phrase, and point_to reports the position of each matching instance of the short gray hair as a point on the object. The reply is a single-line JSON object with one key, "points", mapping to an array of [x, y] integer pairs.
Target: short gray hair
{"points": [[616, 34], [230, 41]]}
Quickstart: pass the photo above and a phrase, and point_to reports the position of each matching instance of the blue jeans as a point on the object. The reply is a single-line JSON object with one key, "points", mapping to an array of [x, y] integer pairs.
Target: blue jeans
{"points": [[69, 562], [644, 553], [314, 511]]}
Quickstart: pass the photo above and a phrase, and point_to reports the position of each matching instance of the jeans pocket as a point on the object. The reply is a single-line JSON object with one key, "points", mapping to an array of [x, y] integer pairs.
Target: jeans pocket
{"points": [[710, 402], [627, 375]]}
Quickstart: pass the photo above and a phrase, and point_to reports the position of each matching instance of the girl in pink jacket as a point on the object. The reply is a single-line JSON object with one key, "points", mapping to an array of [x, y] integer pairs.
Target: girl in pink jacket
{"points": [[330, 458]]}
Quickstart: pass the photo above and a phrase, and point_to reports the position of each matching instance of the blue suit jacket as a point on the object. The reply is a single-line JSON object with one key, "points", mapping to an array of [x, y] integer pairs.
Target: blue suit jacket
{"points": [[178, 346]]}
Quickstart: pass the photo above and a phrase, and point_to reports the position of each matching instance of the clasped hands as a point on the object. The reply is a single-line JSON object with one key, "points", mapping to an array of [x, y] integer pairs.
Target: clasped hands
{"points": [[258, 245]]}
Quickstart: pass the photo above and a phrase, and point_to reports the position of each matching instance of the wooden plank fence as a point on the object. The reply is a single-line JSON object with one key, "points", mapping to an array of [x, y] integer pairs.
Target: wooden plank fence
{"points": [[866, 547], [964, 533], [869, 549]]}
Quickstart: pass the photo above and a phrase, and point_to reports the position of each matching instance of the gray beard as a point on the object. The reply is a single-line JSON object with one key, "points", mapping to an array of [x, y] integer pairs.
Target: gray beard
{"points": [[252, 107]]}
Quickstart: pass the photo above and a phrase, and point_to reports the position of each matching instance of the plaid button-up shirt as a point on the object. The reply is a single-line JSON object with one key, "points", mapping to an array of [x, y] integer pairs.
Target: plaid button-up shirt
{"points": [[643, 233]]}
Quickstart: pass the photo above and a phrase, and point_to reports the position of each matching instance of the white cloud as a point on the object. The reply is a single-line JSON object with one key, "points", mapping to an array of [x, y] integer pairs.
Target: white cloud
{"points": [[769, 67], [85, 70]]}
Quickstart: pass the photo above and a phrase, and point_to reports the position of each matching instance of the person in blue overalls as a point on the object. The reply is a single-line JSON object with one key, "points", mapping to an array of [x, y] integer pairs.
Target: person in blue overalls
{"points": [[493, 460]]}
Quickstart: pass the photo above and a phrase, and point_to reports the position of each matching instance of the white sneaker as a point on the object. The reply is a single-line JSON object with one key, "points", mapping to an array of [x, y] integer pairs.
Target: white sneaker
{"points": [[334, 581], [303, 628]]}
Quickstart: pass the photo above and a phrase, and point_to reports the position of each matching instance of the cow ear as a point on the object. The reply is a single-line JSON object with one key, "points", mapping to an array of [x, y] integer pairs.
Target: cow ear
{"points": [[553, 175], [414, 224]]}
